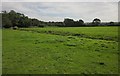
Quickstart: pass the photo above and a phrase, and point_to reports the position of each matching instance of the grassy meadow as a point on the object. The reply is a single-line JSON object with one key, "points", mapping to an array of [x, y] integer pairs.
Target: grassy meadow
{"points": [[57, 50]]}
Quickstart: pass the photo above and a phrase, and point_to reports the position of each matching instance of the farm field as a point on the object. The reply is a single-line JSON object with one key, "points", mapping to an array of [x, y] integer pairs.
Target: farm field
{"points": [[52, 50]]}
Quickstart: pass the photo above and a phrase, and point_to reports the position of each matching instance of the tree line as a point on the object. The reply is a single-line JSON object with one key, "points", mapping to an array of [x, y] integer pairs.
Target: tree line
{"points": [[12, 19]]}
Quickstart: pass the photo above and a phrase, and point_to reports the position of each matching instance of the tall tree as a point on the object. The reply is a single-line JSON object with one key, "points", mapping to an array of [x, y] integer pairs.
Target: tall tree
{"points": [[96, 21], [68, 22], [6, 22], [81, 22]]}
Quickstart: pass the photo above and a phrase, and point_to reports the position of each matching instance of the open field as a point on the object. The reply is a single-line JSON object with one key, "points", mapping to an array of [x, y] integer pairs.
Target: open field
{"points": [[70, 50]]}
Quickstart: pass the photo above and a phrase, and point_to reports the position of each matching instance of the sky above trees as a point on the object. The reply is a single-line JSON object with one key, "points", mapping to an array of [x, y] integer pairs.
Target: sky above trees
{"points": [[57, 11]]}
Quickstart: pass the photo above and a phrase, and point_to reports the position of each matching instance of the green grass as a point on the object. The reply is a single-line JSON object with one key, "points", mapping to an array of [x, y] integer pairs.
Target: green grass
{"points": [[107, 33], [26, 52], [0, 51]]}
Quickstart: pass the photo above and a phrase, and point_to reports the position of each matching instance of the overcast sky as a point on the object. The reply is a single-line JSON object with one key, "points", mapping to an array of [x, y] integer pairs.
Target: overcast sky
{"points": [[57, 11], [60, 0]]}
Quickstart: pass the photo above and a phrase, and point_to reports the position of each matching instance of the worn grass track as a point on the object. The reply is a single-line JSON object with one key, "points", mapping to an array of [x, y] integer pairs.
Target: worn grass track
{"points": [[102, 33]]}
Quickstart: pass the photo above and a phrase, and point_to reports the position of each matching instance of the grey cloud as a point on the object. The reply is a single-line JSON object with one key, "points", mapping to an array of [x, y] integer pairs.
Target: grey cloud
{"points": [[57, 11]]}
